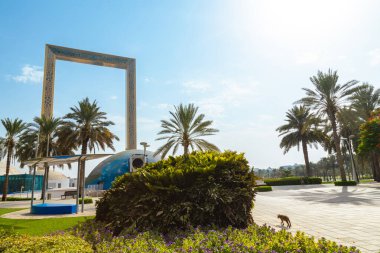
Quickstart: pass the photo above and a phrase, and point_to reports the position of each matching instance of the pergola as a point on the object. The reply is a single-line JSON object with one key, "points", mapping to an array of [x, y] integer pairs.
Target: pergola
{"points": [[62, 160]]}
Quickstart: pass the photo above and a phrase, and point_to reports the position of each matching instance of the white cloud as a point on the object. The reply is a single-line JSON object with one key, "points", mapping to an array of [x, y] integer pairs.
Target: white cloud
{"points": [[113, 97], [308, 58], [374, 57], [196, 86], [216, 98], [147, 79], [164, 106], [30, 73]]}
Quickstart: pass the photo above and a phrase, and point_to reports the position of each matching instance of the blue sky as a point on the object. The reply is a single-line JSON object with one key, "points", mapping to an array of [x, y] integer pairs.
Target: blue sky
{"points": [[242, 62]]}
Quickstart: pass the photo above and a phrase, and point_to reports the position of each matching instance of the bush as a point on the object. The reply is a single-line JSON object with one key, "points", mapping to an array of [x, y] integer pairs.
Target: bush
{"points": [[57, 243], [345, 183], [293, 181], [252, 239], [208, 188], [263, 188], [18, 199], [86, 201]]}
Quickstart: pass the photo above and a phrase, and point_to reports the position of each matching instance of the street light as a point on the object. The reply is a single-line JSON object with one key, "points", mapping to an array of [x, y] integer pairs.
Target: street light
{"points": [[145, 145], [348, 144]]}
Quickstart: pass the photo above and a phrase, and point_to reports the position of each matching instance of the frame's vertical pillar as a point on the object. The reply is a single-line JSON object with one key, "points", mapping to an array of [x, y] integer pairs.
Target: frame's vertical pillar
{"points": [[48, 83], [130, 124]]}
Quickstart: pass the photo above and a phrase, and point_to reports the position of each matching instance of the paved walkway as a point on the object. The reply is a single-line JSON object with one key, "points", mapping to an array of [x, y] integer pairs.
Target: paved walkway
{"points": [[347, 215]]}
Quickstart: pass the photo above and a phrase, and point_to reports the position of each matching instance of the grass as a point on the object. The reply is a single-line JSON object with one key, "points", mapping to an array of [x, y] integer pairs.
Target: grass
{"points": [[37, 226]]}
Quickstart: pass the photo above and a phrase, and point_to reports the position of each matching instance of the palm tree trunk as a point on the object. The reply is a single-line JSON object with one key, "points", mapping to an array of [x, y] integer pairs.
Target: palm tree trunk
{"points": [[337, 147], [6, 181], [83, 164], [375, 166], [306, 157]]}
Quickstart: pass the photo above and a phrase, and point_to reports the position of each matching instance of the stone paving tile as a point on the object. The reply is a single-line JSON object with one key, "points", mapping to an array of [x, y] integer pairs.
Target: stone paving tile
{"points": [[347, 215]]}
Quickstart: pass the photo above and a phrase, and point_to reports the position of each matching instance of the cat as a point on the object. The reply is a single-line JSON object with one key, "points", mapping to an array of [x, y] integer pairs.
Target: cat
{"points": [[284, 218]]}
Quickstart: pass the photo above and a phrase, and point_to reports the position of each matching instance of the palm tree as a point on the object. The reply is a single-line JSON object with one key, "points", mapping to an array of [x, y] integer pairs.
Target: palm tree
{"points": [[44, 129], [327, 98], [13, 130], [301, 127], [365, 100], [87, 127], [185, 128]]}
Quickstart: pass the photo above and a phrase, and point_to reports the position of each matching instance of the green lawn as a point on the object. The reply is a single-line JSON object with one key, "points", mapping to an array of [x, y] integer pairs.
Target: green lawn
{"points": [[37, 227]]}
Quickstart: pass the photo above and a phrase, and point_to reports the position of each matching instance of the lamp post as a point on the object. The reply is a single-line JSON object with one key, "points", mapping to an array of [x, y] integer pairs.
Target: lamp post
{"points": [[348, 144], [145, 145]]}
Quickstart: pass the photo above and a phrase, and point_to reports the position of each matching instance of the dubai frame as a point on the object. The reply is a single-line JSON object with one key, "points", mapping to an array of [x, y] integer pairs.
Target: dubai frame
{"points": [[53, 53]]}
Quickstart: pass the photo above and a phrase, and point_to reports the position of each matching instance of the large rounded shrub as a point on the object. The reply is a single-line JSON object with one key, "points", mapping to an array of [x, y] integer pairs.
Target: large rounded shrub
{"points": [[208, 188]]}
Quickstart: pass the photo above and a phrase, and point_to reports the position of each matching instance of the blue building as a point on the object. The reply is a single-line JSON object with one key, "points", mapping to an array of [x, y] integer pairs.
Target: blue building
{"points": [[124, 162]]}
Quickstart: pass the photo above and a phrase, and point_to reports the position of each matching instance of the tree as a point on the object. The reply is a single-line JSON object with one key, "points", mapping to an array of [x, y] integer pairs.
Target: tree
{"points": [[86, 126], [13, 130], [327, 98], [370, 141], [302, 127], [185, 128], [365, 101]]}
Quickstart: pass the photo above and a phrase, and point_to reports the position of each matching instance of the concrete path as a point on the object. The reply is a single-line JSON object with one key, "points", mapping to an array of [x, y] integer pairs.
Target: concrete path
{"points": [[347, 215]]}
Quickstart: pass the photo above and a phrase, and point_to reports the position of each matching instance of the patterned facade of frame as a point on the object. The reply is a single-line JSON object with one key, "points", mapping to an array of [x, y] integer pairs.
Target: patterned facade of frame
{"points": [[53, 53]]}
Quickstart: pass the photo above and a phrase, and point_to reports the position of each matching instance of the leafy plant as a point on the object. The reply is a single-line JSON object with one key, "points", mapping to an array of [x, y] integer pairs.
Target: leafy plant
{"points": [[86, 201], [293, 181], [18, 199], [208, 188], [263, 188], [345, 183], [253, 239], [13, 243]]}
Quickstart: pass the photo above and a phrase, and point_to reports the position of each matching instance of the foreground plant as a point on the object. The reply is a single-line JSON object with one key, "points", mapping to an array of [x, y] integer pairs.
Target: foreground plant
{"points": [[253, 239]]}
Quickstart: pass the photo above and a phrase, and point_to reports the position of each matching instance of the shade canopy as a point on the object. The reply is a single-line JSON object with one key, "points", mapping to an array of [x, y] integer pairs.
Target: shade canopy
{"points": [[61, 160]]}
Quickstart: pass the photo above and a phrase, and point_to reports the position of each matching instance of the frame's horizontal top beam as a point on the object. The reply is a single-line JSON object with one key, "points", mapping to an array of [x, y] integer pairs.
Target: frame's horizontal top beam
{"points": [[82, 56]]}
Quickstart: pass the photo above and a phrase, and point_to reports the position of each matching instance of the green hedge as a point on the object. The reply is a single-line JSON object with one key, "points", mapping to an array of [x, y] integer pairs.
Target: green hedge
{"points": [[208, 188], [18, 199], [13, 243], [86, 201], [345, 183], [263, 188], [293, 181]]}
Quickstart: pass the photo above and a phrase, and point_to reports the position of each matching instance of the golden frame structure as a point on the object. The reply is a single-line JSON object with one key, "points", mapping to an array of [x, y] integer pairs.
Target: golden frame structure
{"points": [[53, 53]]}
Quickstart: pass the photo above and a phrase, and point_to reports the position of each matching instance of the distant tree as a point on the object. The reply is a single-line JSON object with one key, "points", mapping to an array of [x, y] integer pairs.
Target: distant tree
{"points": [[185, 129], [302, 127], [13, 129], [327, 98]]}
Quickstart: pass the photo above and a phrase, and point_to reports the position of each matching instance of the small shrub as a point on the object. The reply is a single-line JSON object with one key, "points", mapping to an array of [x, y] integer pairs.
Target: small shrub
{"points": [[208, 188], [345, 183], [293, 181], [13, 243], [18, 199], [263, 188], [86, 201]]}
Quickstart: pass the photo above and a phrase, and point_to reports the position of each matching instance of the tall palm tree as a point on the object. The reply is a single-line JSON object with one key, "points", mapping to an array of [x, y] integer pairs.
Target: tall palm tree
{"points": [[87, 127], [327, 98], [13, 130], [185, 128], [302, 127]]}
